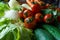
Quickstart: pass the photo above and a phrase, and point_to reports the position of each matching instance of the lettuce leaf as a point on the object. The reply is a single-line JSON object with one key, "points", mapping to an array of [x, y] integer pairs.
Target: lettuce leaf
{"points": [[15, 32], [3, 7]]}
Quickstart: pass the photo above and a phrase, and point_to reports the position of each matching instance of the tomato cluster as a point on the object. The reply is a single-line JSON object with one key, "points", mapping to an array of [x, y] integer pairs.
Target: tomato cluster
{"points": [[34, 16]]}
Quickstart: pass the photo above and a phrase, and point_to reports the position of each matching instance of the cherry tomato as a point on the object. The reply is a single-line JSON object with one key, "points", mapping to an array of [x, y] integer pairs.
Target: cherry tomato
{"points": [[48, 18], [58, 18], [30, 23], [38, 17], [58, 9], [27, 13], [36, 8], [20, 14]]}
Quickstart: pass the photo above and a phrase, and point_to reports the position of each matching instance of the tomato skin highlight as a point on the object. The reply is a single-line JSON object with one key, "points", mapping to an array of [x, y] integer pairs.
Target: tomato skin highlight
{"points": [[58, 18], [27, 13], [29, 23], [48, 18], [38, 17]]}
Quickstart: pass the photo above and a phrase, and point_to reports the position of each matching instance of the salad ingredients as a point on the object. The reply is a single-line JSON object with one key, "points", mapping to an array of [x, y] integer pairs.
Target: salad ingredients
{"points": [[16, 20], [11, 14], [38, 17], [13, 32], [4, 21], [27, 13], [43, 35], [52, 30], [5, 31], [48, 18], [36, 8], [25, 33], [30, 22]]}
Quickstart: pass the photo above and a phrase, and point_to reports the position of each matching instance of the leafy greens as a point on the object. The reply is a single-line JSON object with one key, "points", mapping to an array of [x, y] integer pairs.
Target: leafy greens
{"points": [[3, 7]]}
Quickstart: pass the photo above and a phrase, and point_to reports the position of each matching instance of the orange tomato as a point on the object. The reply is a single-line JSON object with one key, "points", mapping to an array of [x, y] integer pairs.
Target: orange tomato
{"points": [[48, 18], [27, 13], [38, 17], [36, 8], [30, 22]]}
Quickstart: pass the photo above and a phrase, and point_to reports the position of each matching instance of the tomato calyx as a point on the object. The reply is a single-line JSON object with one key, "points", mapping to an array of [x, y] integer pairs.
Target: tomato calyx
{"points": [[27, 13], [49, 20], [29, 20]]}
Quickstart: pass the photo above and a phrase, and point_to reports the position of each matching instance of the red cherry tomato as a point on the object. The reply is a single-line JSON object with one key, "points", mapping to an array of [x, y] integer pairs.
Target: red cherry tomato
{"points": [[38, 17], [36, 8], [27, 13], [20, 14], [48, 18], [58, 9], [58, 18], [30, 23]]}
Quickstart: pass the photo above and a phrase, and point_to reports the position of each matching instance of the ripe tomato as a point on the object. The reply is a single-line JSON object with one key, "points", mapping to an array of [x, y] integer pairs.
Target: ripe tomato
{"points": [[48, 18], [58, 18], [58, 9], [20, 14], [38, 17], [30, 22], [36, 8], [27, 13]]}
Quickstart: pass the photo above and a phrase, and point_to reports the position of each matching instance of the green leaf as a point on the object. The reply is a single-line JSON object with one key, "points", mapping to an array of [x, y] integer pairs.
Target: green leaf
{"points": [[3, 26], [4, 21], [25, 34], [55, 14], [18, 8], [15, 32], [9, 36], [47, 11], [3, 7], [6, 30]]}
